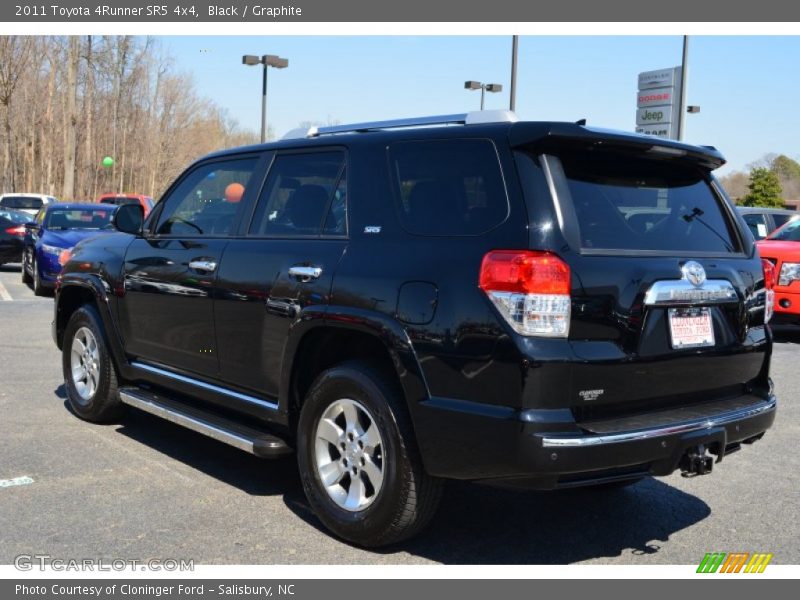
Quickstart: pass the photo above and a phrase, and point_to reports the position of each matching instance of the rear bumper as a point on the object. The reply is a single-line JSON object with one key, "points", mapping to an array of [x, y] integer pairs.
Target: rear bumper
{"points": [[524, 449]]}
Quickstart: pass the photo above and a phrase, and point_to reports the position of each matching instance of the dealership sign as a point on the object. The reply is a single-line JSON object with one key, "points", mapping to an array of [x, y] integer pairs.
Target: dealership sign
{"points": [[657, 101], [654, 115]]}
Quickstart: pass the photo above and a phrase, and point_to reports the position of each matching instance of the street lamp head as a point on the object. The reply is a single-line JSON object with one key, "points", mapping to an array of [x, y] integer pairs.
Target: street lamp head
{"points": [[494, 87], [472, 85], [250, 60], [275, 61]]}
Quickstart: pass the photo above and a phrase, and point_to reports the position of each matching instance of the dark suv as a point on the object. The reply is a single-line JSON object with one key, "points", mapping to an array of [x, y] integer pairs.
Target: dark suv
{"points": [[463, 297]]}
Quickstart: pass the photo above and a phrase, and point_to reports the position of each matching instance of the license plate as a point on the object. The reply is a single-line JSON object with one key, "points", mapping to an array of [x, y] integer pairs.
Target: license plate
{"points": [[691, 327]]}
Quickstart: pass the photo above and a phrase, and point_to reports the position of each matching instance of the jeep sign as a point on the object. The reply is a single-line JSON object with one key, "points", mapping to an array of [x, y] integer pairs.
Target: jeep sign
{"points": [[655, 115]]}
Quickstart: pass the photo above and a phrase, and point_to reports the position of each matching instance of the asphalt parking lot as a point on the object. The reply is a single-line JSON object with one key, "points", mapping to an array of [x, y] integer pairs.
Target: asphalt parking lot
{"points": [[149, 489]]}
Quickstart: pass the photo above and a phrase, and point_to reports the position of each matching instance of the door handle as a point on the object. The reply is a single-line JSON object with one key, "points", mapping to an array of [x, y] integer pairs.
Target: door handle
{"points": [[203, 265], [305, 273]]}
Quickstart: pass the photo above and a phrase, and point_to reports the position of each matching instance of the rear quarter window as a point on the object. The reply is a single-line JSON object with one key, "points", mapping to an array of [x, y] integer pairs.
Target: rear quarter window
{"points": [[448, 187], [627, 203]]}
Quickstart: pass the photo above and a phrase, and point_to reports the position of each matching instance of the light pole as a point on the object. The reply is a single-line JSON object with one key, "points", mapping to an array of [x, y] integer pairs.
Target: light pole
{"points": [[268, 60], [483, 87], [512, 104], [684, 67]]}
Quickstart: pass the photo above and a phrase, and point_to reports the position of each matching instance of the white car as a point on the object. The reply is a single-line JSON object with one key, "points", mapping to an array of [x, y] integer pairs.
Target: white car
{"points": [[29, 203]]}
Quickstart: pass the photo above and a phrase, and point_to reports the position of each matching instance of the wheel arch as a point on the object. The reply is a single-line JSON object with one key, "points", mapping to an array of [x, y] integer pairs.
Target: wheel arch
{"points": [[75, 292], [345, 334]]}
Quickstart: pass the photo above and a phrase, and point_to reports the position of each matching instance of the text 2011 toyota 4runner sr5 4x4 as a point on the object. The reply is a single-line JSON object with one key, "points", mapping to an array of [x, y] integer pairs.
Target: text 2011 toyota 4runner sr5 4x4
{"points": [[404, 302]]}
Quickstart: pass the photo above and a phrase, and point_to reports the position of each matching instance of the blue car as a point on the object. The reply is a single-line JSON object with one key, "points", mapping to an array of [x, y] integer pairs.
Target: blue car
{"points": [[50, 238]]}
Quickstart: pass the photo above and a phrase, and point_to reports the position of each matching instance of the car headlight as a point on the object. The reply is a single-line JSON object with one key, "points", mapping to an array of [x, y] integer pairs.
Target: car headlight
{"points": [[789, 272], [54, 250]]}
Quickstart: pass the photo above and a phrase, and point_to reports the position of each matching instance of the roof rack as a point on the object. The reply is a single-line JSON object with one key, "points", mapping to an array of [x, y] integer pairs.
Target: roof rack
{"points": [[471, 118]]}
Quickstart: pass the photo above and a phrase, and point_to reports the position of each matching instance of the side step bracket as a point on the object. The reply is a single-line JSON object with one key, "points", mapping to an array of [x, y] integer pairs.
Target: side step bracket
{"points": [[254, 441]]}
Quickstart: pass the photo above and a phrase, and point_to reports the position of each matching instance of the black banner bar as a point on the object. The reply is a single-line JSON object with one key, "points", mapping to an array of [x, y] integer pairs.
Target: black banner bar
{"points": [[457, 11], [390, 589]]}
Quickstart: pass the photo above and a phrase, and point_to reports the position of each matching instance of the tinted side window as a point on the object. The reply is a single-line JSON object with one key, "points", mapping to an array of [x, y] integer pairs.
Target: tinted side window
{"points": [[299, 194], [206, 201], [448, 187], [757, 225]]}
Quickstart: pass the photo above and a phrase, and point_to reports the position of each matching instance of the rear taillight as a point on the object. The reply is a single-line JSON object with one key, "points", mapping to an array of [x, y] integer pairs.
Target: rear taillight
{"points": [[769, 284], [64, 257], [531, 289], [18, 230]]}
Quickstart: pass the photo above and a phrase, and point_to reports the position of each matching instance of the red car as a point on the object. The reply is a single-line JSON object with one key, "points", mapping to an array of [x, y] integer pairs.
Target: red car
{"points": [[146, 202], [782, 248]]}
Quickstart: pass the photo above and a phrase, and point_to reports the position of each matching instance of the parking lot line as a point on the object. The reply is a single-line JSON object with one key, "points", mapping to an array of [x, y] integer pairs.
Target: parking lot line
{"points": [[24, 480], [4, 295]]}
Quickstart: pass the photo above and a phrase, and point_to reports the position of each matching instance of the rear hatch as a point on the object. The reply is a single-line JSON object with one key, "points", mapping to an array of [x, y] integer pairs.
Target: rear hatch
{"points": [[667, 291]]}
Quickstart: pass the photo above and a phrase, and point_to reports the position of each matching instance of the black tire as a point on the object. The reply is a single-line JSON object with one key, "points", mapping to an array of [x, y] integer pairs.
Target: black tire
{"points": [[408, 496], [26, 277], [38, 287], [104, 405]]}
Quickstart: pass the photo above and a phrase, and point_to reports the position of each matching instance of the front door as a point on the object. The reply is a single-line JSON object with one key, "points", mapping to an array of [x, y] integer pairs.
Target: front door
{"points": [[167, 309]]}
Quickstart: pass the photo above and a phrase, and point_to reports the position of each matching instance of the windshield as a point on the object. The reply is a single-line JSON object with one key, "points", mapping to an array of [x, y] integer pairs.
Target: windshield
{"points": [[628, 203], [78, 218], [15, 217], [788, 233], [24, 202]]}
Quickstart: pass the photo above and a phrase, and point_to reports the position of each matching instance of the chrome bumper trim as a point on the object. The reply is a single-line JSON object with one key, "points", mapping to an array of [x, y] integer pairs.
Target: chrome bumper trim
{"points": [[644, 434], [680, 291]]}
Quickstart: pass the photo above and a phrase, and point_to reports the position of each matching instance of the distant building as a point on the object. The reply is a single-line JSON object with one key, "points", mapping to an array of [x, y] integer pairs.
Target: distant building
{"points": [[792, 204]]}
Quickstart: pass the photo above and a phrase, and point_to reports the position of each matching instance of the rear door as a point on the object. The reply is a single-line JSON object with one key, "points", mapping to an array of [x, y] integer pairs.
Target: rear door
{"points": [[667, 305], [167, 310], [281, 266]]}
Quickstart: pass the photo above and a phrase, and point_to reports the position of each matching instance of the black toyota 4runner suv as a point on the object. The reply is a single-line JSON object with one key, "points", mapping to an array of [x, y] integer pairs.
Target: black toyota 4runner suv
{"points": [[464, 297]]}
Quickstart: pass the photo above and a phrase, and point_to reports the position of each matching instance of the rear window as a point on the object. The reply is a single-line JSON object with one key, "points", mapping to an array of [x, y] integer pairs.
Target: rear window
{"points": [[448, 187], [12, 216], [625, 203], [119, 200], [78, 218], [23, 202]]}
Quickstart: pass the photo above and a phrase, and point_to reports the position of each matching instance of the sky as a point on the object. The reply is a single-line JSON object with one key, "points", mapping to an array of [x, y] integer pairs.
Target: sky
{"points": [[747, 87]]}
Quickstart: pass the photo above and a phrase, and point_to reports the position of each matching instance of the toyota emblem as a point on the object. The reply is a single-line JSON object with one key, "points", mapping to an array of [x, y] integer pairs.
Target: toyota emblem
{"points": [[694, 273]]}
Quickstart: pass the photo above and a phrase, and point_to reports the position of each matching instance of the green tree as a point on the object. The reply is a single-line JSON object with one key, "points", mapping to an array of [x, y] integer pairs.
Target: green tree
{"points": [[765, 189], [785, 167]]}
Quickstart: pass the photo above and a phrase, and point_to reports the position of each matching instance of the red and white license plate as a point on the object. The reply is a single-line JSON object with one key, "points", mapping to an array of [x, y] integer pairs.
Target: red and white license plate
{"points": [[691, 327]]}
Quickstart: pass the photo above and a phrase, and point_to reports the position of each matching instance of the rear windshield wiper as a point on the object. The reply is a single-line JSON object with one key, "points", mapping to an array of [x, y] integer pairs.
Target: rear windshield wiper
{"points": [[695, 215]]}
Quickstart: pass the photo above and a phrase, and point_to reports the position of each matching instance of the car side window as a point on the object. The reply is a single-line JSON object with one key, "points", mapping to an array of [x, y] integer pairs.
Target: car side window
{"points": [[448, 187], [757, 225], [206, 201], [303, 192]]}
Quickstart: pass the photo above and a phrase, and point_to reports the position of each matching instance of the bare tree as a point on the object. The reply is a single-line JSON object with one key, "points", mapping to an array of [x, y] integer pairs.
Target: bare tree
{"points": [[15, 53], [66, 102]]}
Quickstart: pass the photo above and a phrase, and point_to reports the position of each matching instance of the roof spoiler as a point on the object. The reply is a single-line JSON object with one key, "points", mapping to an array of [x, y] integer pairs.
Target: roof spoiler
{"points": [[554, 136]]}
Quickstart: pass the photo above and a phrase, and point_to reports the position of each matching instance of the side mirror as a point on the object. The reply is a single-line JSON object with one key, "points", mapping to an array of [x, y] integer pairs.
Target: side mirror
{"points": [[31, 225], [129, 218]]}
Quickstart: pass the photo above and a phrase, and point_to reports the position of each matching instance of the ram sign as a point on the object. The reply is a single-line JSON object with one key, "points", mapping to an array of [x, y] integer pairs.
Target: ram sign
{"points": [[657, 102]]}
